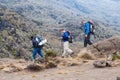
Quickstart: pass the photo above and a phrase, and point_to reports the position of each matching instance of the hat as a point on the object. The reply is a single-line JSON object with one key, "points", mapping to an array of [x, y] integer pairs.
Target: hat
{"points": [[90, 21]]}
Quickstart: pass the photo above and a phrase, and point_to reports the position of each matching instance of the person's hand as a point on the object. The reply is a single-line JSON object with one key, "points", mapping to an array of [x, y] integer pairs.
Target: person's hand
{"points": [[85, 35], [61, 38]]}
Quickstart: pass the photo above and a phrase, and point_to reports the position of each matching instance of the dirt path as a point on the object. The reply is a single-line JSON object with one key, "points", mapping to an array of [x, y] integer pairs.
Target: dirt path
{"points": [[81, 72]]}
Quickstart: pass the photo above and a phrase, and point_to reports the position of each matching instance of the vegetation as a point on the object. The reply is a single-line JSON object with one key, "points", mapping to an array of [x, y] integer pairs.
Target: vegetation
{"points": [[16, 30], [116, 56]]}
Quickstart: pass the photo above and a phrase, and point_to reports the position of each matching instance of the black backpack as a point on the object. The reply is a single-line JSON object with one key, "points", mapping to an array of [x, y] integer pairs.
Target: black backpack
{"points": [[36, 43], [92, 28]]}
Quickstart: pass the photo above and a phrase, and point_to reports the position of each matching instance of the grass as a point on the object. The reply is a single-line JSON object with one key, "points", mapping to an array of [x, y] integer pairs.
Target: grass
{"points": [[12, 50], [50, 53], [116, 56]]}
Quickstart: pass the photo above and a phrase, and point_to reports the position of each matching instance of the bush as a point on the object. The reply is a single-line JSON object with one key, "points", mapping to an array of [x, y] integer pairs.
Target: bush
{"points": [[116, 56], [87, 56], [50, 53], [84, 54], [11, 50], [1, 42], [34, 67]]}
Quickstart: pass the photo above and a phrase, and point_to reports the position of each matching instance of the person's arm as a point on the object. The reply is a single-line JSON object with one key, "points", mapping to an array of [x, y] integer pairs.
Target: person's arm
{"points": [[67, 34], [87, 29]]}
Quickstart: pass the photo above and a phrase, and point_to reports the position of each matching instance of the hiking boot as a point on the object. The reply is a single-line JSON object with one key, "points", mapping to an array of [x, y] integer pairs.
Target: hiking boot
{"points": [[63, 56], [42, 60], [34, 61], [72, 54], [118, 78]]}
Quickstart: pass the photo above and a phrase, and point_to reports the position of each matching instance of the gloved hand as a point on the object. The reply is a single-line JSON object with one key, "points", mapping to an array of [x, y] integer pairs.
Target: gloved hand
{"points": [[85, 35]]}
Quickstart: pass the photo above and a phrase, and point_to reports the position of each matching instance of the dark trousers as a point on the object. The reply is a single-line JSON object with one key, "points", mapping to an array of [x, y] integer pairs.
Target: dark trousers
{"points": [[35, 51], [87, 40]]}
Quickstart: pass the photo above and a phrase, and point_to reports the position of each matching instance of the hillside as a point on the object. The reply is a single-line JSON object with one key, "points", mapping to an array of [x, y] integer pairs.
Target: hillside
{"points": [[52, 15], [46, 18], [59, 11], [15, 32]]}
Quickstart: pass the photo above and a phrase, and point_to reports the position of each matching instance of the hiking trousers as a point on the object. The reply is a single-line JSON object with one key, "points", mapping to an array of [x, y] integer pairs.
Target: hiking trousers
{"points": [[37, 51], [87, 40], [66, 48]]}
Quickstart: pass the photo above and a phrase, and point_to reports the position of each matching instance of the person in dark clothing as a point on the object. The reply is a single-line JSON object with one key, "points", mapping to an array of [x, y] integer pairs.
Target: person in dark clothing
{"points": [[37, 49], [87, 27]]}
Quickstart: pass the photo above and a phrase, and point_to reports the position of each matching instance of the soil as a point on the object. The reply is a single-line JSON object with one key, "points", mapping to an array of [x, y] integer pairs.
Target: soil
{"points": [[84, 71]]}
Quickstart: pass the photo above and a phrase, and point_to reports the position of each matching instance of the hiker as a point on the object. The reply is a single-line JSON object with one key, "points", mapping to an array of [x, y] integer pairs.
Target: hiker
{"points": [[36, 39], [89, 29], [65, 40]]}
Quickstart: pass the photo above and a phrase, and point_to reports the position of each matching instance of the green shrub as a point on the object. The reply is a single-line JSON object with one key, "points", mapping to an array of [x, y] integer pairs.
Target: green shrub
{"points": [[116, 56], [0, 18], [12, 50], [1, 42], [50, 53]]}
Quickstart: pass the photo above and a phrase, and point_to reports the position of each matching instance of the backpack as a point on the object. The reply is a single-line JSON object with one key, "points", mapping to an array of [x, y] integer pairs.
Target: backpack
{"points": [[35, 41], [92, 28]]}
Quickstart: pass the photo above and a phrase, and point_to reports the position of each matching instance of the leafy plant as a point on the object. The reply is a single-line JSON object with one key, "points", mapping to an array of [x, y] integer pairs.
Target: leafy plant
{"points": [[50, 53], [116, 56]]}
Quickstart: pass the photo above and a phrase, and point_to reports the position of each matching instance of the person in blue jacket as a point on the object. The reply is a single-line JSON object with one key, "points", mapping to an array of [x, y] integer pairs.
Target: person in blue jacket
{"points": [[65, 39], [87, 27], [37, 49]]}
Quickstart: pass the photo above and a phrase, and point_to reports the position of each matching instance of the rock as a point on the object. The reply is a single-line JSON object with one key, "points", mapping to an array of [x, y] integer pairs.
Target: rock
{"points": [[103, 63], [105, 47], [2, 67], [109, 64], [50, 65], [10, 69], [73, 64], [34, 67], [21, 61], [100, 64], [117, 63], [7, 69]]}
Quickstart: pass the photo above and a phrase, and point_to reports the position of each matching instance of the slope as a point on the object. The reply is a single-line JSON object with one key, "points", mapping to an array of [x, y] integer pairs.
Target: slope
{"points": [[52, 15]]}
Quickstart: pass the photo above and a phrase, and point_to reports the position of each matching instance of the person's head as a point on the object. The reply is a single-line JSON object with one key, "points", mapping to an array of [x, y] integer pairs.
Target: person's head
{"points": [[37, 35], [91, 21], [31, 37], [83, 21], [62, 30]]}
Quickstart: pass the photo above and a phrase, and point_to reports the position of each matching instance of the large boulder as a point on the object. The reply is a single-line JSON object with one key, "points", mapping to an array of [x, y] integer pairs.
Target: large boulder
{"points": [[105, 47], [103, 63]]}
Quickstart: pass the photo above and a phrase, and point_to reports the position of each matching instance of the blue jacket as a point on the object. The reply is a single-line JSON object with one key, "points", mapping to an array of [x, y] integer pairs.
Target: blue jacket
{"points": [[87, 28], [66, 36]]}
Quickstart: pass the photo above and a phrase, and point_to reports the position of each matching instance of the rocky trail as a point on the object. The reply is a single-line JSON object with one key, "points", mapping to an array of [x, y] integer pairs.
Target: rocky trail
{"points": [[82, 71]]}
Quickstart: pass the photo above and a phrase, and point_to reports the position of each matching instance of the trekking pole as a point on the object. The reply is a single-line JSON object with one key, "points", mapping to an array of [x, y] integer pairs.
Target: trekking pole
{"points": [[61, 46], [94, 35]]}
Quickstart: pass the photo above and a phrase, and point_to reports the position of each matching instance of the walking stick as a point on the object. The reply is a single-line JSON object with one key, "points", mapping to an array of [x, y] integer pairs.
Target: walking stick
{"points": [[61, 46]]}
